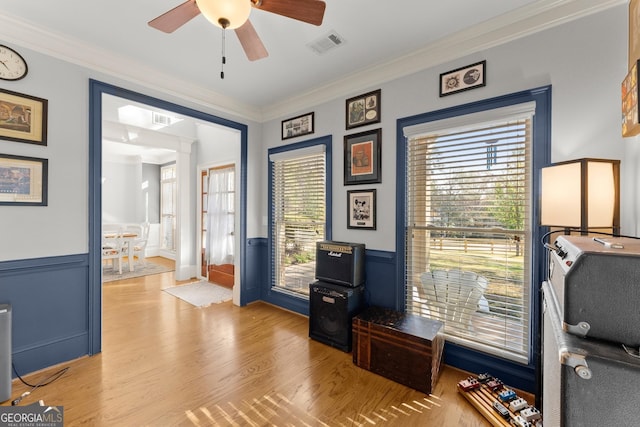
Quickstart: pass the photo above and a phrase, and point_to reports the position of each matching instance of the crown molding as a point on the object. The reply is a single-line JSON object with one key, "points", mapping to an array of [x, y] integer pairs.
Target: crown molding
{"points": [[72, 50], [511, 26], [519, 23]]}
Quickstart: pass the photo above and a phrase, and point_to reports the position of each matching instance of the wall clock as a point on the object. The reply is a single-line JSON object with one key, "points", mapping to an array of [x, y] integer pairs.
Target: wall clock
{"points": [[12, 65]]}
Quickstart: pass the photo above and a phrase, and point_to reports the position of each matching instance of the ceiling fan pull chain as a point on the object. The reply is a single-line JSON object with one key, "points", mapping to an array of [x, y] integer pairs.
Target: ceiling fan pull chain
{"points": [[224, 58]]}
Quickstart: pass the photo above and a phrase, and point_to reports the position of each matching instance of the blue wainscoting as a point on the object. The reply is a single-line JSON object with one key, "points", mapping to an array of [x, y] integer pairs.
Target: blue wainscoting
{"points": [[256, 272], [381, 288], [50, 309]]}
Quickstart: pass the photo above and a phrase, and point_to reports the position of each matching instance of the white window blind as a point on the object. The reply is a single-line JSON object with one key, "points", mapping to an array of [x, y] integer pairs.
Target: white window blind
{"points": [[298, 216], [468, 227]]}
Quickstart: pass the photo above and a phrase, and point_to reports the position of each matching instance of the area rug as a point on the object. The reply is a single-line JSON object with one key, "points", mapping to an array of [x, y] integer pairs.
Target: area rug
{"points": [[201, 294], [110, 275]]}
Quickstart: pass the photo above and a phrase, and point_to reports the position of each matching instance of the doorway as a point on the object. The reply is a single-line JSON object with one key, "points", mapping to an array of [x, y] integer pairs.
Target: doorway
{"points": [[217, 224], [140, 149], [186, 260]]}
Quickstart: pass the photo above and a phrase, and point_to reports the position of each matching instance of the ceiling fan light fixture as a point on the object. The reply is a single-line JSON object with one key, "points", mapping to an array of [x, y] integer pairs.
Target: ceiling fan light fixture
{"points": [[229, 14]]}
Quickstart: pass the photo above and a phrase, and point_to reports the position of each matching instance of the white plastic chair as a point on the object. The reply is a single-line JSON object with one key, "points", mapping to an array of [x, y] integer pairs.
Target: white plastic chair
{"points": [[453, 296]]}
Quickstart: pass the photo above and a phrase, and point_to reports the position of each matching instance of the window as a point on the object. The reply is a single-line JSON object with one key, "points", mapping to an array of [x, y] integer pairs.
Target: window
{"points": [[468, 227], [168, 194], [298, 217]]}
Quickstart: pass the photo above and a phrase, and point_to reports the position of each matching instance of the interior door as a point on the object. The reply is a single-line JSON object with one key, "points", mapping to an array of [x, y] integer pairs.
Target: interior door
{"points": [[218, 219]]}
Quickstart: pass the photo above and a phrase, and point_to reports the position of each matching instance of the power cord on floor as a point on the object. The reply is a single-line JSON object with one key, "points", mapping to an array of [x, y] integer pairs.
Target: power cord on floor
{"points": [[42, 383]]}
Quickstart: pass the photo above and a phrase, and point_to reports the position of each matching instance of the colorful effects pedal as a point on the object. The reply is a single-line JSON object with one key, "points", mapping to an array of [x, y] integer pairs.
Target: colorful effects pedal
{"points": [[469, 384], [507, 395], [518, 421], [518, 404], [485, 378], [501, 409], [531, 414], [495, 384]]}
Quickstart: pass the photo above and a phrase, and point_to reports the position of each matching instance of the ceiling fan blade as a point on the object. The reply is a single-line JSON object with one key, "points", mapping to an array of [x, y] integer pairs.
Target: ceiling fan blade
{"points": [[310, 11], [250, 41], [170, 21]]}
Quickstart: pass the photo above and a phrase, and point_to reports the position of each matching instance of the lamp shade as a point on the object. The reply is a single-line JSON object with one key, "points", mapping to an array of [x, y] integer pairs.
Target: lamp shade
{"points": [[233, 12], [583, 193]]}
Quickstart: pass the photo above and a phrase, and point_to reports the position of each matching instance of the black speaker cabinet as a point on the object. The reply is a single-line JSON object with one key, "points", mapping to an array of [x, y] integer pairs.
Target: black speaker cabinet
{"points": [[586, 382], [340, 263], [331, 309], [597, 287]]}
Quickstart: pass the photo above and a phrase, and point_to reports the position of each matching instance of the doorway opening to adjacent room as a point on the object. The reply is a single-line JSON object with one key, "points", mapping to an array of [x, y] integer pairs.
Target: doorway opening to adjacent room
{"points": [[209, 133]]}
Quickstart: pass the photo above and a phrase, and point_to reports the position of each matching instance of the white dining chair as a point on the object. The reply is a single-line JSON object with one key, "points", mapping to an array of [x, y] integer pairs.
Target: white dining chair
{"points": [[113, 248], [140, 244]]}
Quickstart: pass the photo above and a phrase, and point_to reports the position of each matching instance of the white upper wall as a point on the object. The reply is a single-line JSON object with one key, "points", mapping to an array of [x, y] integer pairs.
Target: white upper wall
{"points": [[584, 61]]}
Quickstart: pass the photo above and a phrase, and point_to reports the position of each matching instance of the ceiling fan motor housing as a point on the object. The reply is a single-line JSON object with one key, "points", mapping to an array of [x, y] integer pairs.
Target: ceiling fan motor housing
{"points": [[225, 13], [234, 15]]}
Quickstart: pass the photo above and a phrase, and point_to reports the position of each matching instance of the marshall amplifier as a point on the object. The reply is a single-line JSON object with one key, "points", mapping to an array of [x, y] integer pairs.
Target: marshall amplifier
{"points": [[331, 310], [597, 283], [340, 263]]}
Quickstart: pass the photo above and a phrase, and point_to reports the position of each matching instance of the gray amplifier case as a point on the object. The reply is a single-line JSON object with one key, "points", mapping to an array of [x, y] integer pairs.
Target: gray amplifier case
{"points": [[598, 287], [585, 382]]}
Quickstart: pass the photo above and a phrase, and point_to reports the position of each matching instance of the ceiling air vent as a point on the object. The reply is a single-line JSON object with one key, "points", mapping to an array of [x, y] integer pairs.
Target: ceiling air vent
{"points": [[326, 43], [161, 119]]}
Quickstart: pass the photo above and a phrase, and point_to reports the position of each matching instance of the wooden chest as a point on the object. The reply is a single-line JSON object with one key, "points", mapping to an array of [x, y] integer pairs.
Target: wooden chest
{"points": [[399, 346]]}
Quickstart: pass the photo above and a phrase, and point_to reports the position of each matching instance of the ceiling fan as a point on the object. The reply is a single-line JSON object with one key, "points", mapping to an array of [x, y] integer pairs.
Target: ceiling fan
{"points": [[234, 15]]}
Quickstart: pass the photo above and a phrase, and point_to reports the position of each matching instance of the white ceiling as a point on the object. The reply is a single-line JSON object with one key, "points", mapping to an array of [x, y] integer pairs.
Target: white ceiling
{"points": [[384, 40]]}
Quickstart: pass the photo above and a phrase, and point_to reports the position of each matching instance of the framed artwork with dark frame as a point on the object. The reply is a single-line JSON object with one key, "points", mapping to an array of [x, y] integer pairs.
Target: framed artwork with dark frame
{"points": [[297, 126], [361, 209], [23, 180], [362, 158], [461, 79], [23, 118], [363, 109]]}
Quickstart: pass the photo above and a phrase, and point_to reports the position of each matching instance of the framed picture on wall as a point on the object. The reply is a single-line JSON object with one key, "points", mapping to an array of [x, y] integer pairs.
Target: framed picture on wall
{"points": [[361, 209], [363, 109], [362, 162], [297, 126], [23, 118], [461, 79], [23, 180]]}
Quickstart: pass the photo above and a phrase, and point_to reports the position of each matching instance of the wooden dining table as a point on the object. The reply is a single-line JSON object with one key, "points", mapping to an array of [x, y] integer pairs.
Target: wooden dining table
{"points": [[128, 238]]}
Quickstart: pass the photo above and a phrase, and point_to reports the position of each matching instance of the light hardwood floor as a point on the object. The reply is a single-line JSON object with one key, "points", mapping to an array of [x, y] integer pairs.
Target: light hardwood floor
{"points": [[167, 363]]}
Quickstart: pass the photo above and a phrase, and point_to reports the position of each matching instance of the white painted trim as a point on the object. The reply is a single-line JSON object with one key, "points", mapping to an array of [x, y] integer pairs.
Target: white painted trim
{"points": [[465, 122]]}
